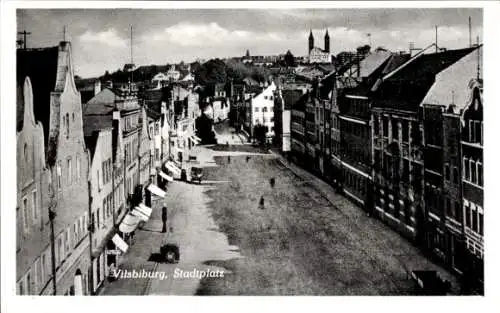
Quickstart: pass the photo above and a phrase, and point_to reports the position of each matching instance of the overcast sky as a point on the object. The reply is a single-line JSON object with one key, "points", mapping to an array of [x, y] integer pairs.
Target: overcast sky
{"points": [[101, 37]]}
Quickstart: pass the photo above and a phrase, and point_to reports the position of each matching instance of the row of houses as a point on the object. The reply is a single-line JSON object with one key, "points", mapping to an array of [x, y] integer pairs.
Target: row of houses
{"points": [[402, 136], [86, 169]]}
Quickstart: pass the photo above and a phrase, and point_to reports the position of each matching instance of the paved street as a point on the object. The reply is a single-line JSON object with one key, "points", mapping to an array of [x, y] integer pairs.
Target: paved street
{"points": [[304, 240]]}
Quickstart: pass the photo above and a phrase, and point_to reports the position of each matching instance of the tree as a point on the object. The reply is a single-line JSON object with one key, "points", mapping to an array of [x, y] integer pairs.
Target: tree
{"points": [[289, 59], [211, 72], [363, 50]]}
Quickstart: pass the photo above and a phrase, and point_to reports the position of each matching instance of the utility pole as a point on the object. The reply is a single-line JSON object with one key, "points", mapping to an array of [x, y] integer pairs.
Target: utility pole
{"points": [[478, 59], [436, 39], [470, 31], [25, 34]]}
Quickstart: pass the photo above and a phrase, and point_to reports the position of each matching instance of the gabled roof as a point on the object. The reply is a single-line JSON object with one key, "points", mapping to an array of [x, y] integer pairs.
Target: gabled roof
{"points": [[454, 85], [290, 97], [372, 62], [406, 88], [41, 67]]}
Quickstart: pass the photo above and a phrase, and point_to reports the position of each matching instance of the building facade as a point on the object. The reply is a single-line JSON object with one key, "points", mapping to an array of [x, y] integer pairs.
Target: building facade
{"points": [[33, 243], [57, 104]]}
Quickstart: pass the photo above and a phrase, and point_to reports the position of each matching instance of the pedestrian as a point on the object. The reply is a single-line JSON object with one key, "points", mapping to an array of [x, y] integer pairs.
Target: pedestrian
{"points": [[261, 202], [228, 159], [164, 219], [272, 182], [248, 158]]}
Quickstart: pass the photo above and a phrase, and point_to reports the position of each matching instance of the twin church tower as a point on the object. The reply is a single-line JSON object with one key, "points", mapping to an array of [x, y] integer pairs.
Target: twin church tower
{"points": [[327, 42], [318, 55]]}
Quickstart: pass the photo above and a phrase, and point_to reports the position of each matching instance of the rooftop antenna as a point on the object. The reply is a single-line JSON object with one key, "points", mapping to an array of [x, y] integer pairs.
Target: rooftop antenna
{"points": [[478, 58], [470, 38]]}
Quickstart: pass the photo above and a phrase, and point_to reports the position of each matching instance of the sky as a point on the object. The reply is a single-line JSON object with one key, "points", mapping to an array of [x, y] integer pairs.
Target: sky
{"points": [[100, 38]]}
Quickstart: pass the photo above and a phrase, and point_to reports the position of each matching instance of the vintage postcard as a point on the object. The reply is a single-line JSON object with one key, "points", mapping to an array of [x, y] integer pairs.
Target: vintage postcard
{"points": [[320, 150]]}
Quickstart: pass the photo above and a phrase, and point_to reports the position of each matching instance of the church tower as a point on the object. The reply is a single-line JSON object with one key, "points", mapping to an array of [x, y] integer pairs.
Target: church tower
{"points": [[311, 41], [327, 42]]}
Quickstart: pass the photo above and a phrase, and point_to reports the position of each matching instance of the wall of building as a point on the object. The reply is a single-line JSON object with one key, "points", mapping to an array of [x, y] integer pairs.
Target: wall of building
{"points": [[33, 254]]}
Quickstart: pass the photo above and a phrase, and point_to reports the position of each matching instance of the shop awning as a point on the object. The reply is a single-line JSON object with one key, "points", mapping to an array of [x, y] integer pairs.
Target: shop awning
{"points": [[165, 176], [157, 191], [120, 243], [143, 212], [197, 138], [171, 167], [129, 223], [138, 213]]}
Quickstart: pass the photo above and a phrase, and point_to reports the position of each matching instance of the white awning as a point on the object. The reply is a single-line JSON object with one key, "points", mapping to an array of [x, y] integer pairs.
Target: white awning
{"points": [[119, 243], [138, 213], [194, 139], [147, 210], [157, 191], [129, 223], [197, 138], [171, 167], [165, 176]]}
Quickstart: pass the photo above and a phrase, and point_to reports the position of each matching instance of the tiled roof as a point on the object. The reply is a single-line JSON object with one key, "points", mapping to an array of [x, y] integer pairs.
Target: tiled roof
{"points": [[372, 62], [102, 104], [93, 123], [407, 87], [41, 67], [290, 97]]}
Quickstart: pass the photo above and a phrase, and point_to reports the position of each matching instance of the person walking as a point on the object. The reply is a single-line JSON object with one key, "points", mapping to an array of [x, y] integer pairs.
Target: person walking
{"points": [[164, 219]]}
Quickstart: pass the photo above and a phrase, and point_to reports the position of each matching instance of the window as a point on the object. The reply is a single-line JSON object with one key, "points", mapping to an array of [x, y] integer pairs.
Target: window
{"points": [[404, 125], [69, 170], [78, 169], [59, 173], [98, 225], [395, 134], [466, 169], [256, 110], [479, 174], [472, 138], [474, 221], [264, 109], [28, 283], [481, 225], [447, 172], [473, 171], [73, 114], [385, 126], [25, 214], [478, 131], [467, 215], [375, 124], [26, 152], [67, 125], [458, 212], [34, 204]]}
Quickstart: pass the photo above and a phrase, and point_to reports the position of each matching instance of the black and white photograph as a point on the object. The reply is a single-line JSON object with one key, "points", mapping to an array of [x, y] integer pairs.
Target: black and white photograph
{"points": [[246, 151]]}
